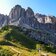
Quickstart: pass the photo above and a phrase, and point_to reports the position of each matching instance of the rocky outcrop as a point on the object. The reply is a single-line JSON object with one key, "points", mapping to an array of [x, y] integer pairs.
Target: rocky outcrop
{"points": [[3, 20], [40, 18], [46, 22], [29, 12], [20, 16], [16, 13], [45, 19]]}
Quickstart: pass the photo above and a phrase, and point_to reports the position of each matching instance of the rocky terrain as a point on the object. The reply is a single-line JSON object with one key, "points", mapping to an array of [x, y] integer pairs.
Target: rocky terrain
{"points": [[4, 19], [41, 27]]}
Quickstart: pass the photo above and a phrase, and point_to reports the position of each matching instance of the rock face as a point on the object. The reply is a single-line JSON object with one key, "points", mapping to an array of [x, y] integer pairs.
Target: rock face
{"points": [[40, 18], [46, 25], [45, 19], [46, 22], [29, 12], [16, 12], [22, 17], [3, 20]]}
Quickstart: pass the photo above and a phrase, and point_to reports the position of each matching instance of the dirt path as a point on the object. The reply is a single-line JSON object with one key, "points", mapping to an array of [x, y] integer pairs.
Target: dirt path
{"points": [[15, 50]]}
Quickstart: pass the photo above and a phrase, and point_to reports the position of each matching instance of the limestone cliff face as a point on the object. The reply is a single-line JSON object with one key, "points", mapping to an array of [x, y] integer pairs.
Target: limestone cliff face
{"points": [[40, 18], [17, 12], [29, 12], [3, 20], [46, 22], [45, 19], [20, 16]]}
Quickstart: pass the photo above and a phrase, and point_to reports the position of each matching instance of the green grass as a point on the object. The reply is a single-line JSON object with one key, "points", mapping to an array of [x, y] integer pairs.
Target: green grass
{"points": [[5, 52], [18, 37], [14, 37]]}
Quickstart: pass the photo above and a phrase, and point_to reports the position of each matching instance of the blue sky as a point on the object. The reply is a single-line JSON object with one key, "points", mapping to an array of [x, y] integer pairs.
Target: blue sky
{"points": [[47, 7]]}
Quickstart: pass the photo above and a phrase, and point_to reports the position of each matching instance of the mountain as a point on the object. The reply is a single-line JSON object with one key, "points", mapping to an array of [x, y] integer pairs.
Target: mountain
{"points": [[45, 19], [4, 19], [22, 17], [37, 26]]}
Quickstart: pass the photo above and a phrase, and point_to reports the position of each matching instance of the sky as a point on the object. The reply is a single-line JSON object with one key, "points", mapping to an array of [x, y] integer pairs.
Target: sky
{"points": [[47, 7]]}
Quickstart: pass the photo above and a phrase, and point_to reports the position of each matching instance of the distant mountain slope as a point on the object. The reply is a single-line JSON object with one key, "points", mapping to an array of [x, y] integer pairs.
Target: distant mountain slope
{"points": [[4, 19]]}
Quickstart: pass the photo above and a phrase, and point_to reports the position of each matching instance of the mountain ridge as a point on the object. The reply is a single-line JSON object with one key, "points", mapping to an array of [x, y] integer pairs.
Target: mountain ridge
{"points": [[27, 19]]}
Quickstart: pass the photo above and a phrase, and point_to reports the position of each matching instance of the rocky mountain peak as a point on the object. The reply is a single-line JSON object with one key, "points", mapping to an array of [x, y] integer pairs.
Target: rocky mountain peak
{"points": [[45, 19], [16, 13], [17, 6], [29, 12], [19, 15]]}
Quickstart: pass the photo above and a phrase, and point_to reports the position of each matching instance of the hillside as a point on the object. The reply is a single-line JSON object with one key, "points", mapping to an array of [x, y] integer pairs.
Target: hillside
{"points": [[15, 40]]}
